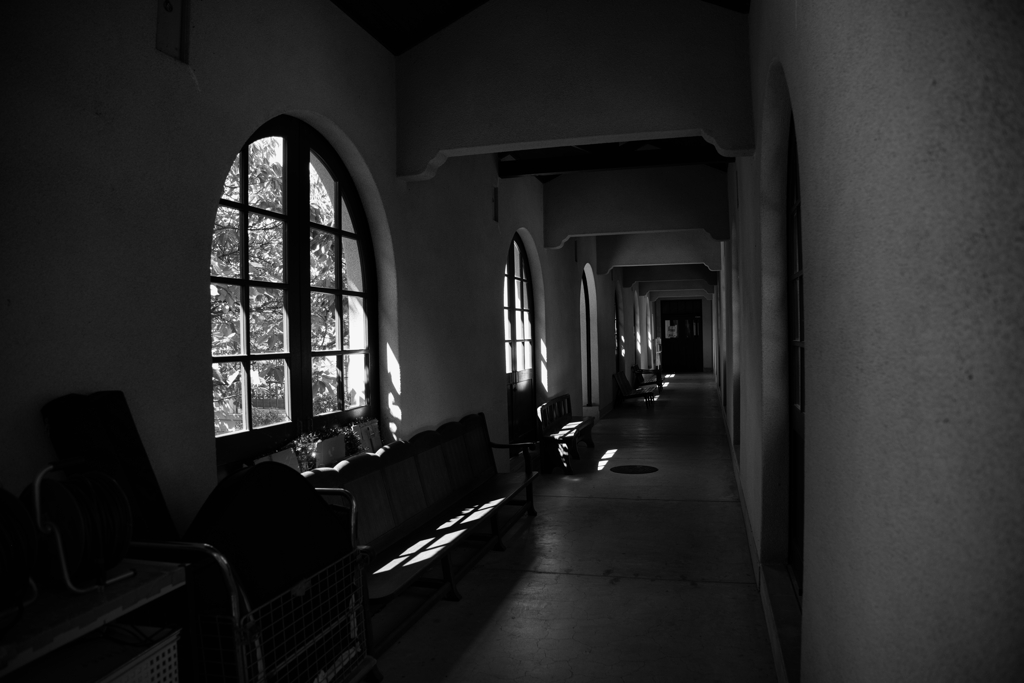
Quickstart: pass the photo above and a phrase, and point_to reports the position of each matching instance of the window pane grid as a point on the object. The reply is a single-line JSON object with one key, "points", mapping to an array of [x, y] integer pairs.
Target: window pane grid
{"points": [[255, 210], [253, 352], [516, 310]]}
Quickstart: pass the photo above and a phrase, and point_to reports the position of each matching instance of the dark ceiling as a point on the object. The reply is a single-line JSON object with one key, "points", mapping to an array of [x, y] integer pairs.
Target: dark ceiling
{"points": [[401, 24]]}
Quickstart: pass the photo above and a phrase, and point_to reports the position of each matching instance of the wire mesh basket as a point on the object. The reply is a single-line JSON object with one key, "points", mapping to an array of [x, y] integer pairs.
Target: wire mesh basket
{"points": [[313, 633]]}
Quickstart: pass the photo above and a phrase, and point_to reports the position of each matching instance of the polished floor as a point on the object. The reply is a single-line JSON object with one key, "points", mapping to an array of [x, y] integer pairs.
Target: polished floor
{"points": [[621, 577]]}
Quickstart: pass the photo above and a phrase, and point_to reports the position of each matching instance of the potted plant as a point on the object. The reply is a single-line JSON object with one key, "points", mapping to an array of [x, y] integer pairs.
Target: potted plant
{"points": [[353, 442], [305, 447], [332, 447]]}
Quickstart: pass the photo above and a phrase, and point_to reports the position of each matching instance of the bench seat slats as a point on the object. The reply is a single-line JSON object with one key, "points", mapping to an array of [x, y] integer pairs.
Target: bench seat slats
{"points": [[393, 573], [559, 426], [477, 444], [417, 500], [456, 456], [363, 476], [437, 483], [403, 479], [375, 517]]}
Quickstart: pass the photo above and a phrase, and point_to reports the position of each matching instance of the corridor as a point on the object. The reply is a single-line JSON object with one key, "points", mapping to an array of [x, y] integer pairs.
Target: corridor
{"points": [[621, 577]]}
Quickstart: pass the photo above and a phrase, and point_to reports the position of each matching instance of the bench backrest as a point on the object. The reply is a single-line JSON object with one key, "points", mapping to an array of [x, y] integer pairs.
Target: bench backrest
{"points": [[624, 387], [554, 411], [405, 483]]}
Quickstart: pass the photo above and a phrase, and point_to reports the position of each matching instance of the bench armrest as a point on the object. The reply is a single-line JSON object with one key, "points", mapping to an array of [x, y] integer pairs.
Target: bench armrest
{"points": [[531, 444], [526, 446], [344, 493]]}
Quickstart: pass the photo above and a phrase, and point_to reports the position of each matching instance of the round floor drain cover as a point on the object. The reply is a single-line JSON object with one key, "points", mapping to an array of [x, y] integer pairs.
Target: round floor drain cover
{"points": [[634, 469]]}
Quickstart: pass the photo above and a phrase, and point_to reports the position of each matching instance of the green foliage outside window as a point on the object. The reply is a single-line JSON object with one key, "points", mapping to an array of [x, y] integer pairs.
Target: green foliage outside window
{"points": [[253, 295]]}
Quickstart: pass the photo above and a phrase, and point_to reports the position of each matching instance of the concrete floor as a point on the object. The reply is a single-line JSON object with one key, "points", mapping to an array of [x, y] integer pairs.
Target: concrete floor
{"points": [[621, 577]]}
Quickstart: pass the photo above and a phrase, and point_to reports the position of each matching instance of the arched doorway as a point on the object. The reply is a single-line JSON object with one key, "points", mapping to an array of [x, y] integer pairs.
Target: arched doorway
{"points": [[588, 338], [585, 371], [620, 342], [519, 361]]}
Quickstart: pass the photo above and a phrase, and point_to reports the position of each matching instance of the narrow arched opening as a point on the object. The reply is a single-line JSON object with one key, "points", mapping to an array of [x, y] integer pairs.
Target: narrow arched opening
{"points": [[519, 344]]}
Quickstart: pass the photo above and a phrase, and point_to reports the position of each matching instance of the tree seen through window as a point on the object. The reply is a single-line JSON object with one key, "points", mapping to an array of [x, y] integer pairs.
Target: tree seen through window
{"points": [[288, 350]]}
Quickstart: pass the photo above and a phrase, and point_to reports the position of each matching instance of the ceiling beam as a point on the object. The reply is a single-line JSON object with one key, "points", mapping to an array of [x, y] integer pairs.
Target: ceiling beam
{"points": [[661, 295], [635, 274], [572, 163], [648, 286], [649, 200], [658, 248]]}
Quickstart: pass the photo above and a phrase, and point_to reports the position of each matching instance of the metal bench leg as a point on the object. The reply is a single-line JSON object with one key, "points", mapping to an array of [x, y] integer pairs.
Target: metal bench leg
{"points": [[449, 578]]}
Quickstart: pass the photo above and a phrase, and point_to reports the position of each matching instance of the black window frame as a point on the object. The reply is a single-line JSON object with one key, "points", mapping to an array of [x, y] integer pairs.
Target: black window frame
{"points": [[300, 140], [518, 374]]}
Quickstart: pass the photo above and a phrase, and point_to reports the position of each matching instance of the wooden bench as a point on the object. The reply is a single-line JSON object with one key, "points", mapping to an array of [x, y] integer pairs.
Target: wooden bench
{"points": [[645, 376], [645, 391], [560, 433], [418, 501]]}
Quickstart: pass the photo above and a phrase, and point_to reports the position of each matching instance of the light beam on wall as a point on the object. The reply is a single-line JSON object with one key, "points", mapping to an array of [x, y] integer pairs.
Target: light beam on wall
{"points": [[394, 370], [394, 409], [543, 365]]}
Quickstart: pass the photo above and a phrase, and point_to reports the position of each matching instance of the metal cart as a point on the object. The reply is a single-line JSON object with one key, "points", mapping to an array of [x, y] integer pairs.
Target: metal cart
{"points": [[315, 632]]}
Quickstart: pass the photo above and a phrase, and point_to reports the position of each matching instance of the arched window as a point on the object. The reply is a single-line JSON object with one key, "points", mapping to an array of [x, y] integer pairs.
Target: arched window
{"points": [[292, 295], [518, 309]]}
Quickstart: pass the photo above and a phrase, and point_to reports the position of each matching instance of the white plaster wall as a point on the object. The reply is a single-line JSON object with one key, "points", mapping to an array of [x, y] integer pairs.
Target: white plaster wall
{"points": [[518, 73], [562, 278], [114, 158], [450, 260], [909, 119]]}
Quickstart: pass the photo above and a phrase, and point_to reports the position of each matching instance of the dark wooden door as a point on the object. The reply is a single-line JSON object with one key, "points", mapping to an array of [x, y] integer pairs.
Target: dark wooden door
{"points": [[682, 335], [522, 396]]}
